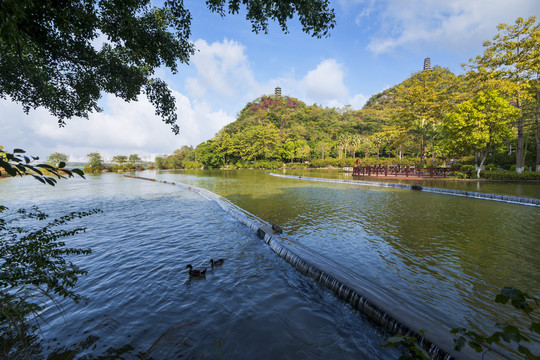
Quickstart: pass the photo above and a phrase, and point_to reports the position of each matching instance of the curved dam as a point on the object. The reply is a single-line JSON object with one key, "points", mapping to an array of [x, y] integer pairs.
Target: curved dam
{"points": [[378, 305], [463, 193]]}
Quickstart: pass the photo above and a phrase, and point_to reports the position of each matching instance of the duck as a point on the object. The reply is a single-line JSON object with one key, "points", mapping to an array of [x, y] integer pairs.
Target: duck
{"points": [[217, 262], [277, 229], [195, 273]]}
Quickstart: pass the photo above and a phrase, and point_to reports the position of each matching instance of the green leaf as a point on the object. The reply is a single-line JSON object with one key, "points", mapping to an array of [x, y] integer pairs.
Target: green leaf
{"points": [[459, 343], [50, 181], [535, 327], [39, 178], [530, 356], [78, 172], [475, 346], [62, 164], [18, 151]]}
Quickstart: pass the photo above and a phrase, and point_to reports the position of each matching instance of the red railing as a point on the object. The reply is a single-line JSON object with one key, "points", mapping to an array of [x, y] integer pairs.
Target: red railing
{"points": [[402, 171]]}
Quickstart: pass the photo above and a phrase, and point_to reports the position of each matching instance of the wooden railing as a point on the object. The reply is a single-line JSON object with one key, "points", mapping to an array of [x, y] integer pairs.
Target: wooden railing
{"points": [[402, 171]]}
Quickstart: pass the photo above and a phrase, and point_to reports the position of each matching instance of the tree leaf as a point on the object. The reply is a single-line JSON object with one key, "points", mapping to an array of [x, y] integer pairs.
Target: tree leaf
{"points": [[459, 343], [78, 172], [50, 181], [39, 178]]}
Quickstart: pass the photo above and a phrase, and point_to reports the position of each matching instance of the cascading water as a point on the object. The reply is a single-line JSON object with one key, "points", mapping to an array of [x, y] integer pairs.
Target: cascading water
{"points": [[375, 303], [470, 194]]}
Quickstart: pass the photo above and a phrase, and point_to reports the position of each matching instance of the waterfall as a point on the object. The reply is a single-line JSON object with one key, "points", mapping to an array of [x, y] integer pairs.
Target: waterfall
{"points": [[470, 194], [380, 307]]}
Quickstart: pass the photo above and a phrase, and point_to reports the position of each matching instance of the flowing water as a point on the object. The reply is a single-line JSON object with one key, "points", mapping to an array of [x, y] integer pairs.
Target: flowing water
{"points": [[142, 303], [445, 256]]}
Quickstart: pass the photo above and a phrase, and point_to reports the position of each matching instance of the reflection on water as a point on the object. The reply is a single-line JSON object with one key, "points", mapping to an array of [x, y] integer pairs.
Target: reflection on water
{"points": [[142, 303], [448, 255]]}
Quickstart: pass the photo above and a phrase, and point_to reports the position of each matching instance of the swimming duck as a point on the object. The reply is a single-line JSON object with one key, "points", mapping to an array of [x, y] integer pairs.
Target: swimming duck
{"points": [[217, 262], [195, 273]]}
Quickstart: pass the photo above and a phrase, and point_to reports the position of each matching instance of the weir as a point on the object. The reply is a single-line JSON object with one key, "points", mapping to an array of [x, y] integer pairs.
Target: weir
{"points": [[469, 194], [379, 306]]}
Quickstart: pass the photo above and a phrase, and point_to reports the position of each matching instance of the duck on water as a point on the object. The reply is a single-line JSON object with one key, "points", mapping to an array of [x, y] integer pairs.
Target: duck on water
{"points": [[195, 272], [218, 262]]}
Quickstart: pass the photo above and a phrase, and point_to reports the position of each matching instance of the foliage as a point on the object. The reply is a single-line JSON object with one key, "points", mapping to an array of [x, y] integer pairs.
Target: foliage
{"points": [[134, 159], [95, 163], [507, 332], [35, 265], [49, 57], [57, 158], [511, 175], [415, 351], [193, 165], [120, 159], [16, 163], [480, 124], [512, 55], [422, 102], [315, 16]]}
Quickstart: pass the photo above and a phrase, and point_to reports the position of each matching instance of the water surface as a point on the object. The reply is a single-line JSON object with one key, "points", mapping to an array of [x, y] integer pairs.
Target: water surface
{"points": [[447, 255], [141, 303]]}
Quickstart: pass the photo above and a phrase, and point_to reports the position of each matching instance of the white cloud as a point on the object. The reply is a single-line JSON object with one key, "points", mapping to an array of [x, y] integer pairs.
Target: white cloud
{"points": [[222, 68], [456, 25], [358, 101], [324, 84], [126, 128]]}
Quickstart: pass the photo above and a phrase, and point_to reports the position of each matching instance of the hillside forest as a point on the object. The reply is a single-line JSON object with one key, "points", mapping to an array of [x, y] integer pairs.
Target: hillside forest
{"points": [[486, 116]]}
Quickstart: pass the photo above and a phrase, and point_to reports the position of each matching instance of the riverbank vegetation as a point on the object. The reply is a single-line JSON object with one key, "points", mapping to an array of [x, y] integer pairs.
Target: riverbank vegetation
{"points": [[487, 116], [36, 264]]}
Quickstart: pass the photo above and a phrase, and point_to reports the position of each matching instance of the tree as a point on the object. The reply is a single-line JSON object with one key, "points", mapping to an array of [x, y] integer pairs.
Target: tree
{"points": [[48, 57], [481, 123], [134, 159], [95, 163], [119, 159], [56, 159], [513, 54], [423, 100], [18, 164]]}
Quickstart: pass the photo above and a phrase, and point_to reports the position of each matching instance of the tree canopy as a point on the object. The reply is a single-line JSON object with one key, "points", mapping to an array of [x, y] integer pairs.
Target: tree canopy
{"points": [[49, 55]]}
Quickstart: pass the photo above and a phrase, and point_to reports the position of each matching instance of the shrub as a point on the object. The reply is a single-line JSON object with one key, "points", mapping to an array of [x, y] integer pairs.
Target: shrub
{"points": [[193, 165], [470, 170], [491, 167], [511, 175], [267, 164], [459, 175]]}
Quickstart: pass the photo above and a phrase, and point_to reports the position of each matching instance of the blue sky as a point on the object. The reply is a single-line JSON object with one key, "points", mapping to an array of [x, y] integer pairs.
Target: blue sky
{"points": [[375, 45]]}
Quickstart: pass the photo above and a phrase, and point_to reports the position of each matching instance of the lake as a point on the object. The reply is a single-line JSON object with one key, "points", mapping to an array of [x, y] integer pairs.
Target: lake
{"points": [[447, 256]]}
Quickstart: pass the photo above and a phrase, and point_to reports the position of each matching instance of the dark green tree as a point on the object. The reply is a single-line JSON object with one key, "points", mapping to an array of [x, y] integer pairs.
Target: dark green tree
{"points": [[48, 57]]}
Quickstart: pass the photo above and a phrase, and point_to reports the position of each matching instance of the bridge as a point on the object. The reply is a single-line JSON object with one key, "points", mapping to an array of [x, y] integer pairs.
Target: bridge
{"points": [[399, 171]]}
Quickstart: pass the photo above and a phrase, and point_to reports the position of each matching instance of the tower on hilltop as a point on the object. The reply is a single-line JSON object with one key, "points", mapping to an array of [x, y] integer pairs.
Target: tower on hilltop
{"points": [[427, 64], [278, 91]]}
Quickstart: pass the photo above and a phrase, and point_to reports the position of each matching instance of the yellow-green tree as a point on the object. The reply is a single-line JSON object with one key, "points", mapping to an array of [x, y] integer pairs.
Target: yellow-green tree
{"points": [[480, 123], [56, 158], [513, 54], [119, 159], [422, 102]]}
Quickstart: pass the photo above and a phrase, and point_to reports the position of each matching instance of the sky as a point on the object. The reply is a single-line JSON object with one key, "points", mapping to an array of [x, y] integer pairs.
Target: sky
{"points": [[376, 44]]}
